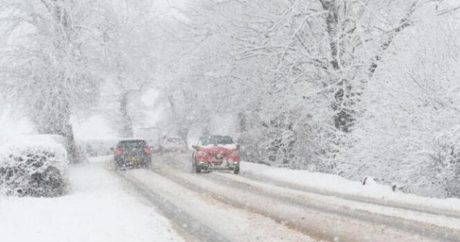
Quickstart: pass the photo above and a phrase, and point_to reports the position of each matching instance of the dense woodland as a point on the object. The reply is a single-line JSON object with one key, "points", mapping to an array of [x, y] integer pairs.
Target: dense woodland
{"points": [[350, 87]]}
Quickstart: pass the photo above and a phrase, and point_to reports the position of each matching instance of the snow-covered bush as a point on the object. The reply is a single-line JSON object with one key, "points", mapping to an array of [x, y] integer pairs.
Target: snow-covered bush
{"points": [[33, 166]]}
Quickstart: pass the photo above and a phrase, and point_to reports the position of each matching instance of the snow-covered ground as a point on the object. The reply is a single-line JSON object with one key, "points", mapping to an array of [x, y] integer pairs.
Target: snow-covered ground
{"points": [[101, 207], [338, 185], [98, 209]]}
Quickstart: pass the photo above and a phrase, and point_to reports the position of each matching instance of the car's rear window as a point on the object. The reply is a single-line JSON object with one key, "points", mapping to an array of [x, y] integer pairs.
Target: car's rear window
{"points": [[216, 140], [132, 143]]}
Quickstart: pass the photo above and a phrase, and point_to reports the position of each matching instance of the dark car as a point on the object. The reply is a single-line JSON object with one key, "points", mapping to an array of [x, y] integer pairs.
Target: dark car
{"points": [[216, 152], [132, 153]]}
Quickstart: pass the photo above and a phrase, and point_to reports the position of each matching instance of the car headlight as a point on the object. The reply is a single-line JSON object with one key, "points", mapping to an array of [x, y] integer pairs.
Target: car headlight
{"points": [[201, 153]]}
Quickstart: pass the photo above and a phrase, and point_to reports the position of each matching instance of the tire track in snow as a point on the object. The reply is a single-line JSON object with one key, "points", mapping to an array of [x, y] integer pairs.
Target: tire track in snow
{"points": [[219, 221], [180, 164], [313, 221], [194, 231], [413, 227], [406, 224]]}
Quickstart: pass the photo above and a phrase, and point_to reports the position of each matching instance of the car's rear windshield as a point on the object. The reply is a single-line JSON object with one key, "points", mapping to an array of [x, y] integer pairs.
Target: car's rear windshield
{"points": [[132, 143], [216, 140]]}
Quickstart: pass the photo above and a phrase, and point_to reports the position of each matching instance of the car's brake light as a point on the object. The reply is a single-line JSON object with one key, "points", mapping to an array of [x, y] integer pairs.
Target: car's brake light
{"points": [[118, 151], [147, 151]]}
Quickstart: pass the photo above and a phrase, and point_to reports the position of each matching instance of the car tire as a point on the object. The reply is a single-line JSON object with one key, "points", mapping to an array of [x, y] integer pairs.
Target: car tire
{"points": [[116, 165], [236, 170], [195, 168]]}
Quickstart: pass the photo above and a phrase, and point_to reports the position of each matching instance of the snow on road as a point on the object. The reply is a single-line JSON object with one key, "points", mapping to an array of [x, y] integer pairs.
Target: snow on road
{"points": [[329, 184], [245, 188], [345, 204], [96, 209], [102, 207], [234, 224], [336, 185], [321, 221]]}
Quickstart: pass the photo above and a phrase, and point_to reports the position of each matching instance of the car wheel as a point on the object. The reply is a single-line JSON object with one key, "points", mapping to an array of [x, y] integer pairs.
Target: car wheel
{"points": [[195, 168], [118, 165], [236, 170]]}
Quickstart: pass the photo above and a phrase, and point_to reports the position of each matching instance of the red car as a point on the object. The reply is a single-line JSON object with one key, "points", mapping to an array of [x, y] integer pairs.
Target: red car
{"points": [[216, 152]]}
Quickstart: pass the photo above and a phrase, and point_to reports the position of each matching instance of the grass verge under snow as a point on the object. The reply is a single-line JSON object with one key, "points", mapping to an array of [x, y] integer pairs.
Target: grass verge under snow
{"points": [[96, 209], [333, 184]]}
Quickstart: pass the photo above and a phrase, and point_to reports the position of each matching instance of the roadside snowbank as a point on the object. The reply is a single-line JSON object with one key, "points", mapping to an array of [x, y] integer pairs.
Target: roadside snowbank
{"points": [[97, 209], [336, 185], [33, 165]]}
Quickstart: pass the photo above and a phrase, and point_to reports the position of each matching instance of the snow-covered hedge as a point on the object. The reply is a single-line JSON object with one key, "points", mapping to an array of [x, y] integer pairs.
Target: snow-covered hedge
{"points": [[33, 166]]}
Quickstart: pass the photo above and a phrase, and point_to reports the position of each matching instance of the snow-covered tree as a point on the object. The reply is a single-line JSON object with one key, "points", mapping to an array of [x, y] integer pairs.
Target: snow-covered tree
{"points": [[409, 132], [293, 72], [49, 60], [130, 52]]}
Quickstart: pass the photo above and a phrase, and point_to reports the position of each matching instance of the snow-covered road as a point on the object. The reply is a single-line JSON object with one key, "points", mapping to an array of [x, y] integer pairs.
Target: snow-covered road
{"points": [[208, 218], [169, 203], [316, 215]]}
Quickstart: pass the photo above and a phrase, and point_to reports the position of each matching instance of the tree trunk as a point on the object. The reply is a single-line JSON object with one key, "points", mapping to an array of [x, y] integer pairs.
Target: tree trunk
{"points": [[343, 117], [242, 122], [403, 24], [52, 116], [72, 148], [332, 21], [183, 134], [125, 119]]}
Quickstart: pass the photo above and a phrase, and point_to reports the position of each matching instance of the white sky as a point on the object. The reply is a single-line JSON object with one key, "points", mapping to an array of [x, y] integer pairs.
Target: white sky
{"points": [[13, 125]]}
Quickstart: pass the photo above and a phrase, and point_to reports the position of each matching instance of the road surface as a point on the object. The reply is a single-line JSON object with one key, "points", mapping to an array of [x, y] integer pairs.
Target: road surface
{"points": [[220, 206]]}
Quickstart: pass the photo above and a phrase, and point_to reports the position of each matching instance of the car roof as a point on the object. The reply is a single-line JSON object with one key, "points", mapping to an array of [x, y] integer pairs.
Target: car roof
{"points": [[131, 139], [215, 135]]}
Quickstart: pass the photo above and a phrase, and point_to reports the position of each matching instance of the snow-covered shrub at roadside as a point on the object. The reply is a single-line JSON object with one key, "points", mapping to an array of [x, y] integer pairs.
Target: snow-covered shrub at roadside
{"points": [[33, 166]]}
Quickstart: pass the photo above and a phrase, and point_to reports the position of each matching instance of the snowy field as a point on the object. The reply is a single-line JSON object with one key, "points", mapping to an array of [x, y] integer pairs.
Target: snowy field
{"points": [[97, 209]]}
